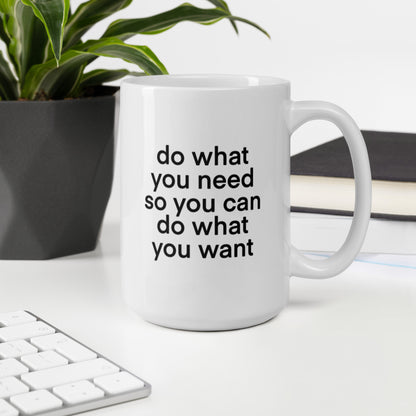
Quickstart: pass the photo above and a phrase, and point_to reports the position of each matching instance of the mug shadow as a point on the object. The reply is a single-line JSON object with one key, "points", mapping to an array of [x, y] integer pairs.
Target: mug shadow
{"points": [[305, 303]]}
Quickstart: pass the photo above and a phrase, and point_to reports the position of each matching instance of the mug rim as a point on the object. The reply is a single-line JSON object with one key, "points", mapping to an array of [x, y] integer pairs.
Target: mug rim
{"points": [[206, 82]]}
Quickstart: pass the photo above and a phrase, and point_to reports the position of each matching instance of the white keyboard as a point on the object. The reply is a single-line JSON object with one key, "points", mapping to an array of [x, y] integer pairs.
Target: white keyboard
{"points": [[45, 372]]}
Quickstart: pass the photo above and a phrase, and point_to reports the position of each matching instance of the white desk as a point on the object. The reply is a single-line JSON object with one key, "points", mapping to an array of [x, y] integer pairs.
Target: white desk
{"points": [[344, 346]]}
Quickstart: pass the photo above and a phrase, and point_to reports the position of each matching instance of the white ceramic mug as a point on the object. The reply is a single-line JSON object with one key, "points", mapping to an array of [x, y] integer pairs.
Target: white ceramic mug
{"points": [[205, 198]]}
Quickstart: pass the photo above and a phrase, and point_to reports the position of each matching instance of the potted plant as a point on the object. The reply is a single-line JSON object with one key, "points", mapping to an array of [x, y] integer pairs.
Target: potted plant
{"points": [[57, 118]]}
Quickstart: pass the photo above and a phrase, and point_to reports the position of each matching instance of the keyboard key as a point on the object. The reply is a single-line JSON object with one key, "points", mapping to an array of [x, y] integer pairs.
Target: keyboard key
{"points": [[36, 402], [79, 392], [15, 349], [25, 331], [45, 379], [43, 360], [11, 386], [66, 346], [16, 318], [121, 382], [7, 410], [11, 367]]}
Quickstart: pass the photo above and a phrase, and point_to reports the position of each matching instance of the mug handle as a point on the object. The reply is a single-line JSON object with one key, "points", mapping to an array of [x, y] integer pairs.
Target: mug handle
{"points": [[297, 114]]}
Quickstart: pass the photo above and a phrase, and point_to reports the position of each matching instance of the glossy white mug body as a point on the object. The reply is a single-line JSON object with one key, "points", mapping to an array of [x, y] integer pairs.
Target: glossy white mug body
{"points": [[215, 150]]}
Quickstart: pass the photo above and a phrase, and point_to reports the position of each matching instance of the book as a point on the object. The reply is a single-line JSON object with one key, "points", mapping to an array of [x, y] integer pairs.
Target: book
{"points": [[326, 233], [322, 177], [322, 194]]}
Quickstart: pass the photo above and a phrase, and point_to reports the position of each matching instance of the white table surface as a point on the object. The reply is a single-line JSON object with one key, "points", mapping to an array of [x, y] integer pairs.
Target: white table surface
{"points": [[344, 346]]}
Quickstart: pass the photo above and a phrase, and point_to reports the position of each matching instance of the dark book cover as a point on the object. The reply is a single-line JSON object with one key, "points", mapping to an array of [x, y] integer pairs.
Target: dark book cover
{"points": [[392, 158]]}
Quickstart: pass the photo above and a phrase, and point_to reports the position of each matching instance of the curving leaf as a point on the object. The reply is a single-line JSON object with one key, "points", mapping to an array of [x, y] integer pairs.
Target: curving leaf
{"points": [[125, 28], [250, 23], [223, 5], [4, 36], [48, 81], [27, 38], [142, 56], [6, 6], [8, 84], [86, 15], [53, 14], [101, 76]]}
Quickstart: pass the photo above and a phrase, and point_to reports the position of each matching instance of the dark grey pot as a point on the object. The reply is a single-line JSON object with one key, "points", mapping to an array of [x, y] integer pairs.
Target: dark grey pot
{"points": [[56, 172]]}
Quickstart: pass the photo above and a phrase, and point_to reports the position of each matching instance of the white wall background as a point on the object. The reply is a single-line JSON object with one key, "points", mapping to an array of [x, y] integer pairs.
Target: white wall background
{"points": [[360, 54]]}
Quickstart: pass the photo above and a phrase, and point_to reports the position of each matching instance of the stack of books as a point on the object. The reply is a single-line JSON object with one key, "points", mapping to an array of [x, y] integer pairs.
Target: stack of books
{"points": [[322, 195]]}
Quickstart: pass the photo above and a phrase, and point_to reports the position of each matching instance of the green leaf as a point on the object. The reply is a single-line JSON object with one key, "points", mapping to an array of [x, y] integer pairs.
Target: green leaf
{"points": [[125, 28], [86, 15], [8, 84], [6, 6], [142, 56], [27, 38], [101, 76], [223, 5], [250, 23], [47, 80], [53, 14], [4, 36]]}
